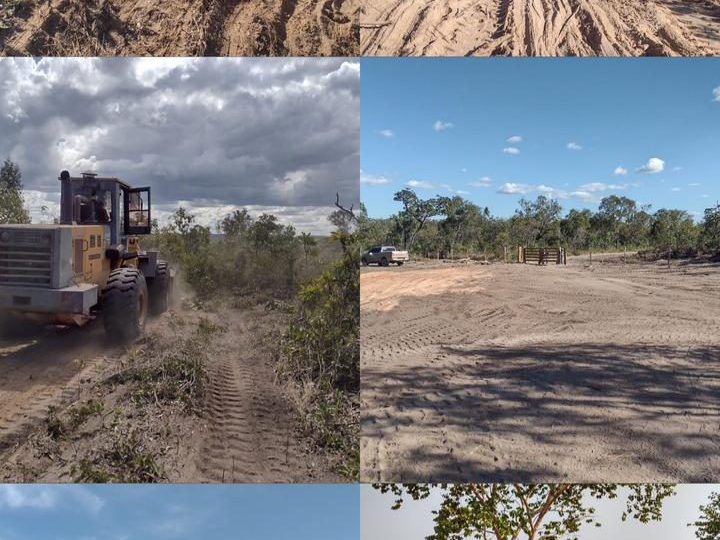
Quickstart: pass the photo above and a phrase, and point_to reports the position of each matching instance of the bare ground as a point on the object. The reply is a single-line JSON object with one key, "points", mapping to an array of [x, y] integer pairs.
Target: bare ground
{"points": [[508, 373], [179, 28], [540, 28], [243, 429]]}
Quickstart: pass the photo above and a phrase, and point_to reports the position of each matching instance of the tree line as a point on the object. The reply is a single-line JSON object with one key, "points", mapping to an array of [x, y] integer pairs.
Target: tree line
{"points": [[453, 226]]}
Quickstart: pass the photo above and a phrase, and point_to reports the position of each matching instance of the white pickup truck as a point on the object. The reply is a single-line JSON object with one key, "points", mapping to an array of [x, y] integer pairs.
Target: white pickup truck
{"points": [[385, 256]]}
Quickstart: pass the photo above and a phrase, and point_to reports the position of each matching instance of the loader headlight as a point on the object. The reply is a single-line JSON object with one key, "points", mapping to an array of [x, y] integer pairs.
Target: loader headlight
{"points": [[5, 236]]}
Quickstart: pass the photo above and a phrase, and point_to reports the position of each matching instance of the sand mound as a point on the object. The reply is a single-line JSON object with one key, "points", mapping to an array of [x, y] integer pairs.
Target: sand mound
{"points": [[181, 28], [541, 27]]}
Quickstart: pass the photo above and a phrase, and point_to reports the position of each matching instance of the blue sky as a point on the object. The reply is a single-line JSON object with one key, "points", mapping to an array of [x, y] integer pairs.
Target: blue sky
{"points": [[414, 521], [494, 130], [277, 512]]}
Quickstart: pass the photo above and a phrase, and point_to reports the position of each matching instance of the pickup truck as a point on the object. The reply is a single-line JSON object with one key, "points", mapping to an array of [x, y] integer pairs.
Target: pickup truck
{"points": [[384, 256]]}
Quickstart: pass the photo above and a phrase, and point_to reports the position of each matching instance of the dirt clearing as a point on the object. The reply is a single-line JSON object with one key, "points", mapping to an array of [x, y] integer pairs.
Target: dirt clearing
{"points": [[540, 28], [541, 374], [179, 27], [194, 401]]}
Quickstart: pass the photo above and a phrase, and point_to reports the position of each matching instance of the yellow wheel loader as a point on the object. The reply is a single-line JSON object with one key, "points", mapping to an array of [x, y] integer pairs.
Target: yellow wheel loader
{"points": [[89, 263]]}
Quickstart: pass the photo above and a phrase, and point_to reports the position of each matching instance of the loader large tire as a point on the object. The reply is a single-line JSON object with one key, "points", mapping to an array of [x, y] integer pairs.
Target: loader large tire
{"points": [[125, 305], [159, 289]]}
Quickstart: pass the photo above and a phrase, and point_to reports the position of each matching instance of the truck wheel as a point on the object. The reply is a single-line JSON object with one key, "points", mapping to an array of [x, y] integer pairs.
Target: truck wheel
{"points": [[125, 305], [400, 263], [384, 262], [159, 289], [364, 261]]}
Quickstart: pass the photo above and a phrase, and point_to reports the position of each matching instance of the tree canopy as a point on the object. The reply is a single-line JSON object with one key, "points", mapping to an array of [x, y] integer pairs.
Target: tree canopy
{"points": [[12, 203], [527, 512], [708, 526]]}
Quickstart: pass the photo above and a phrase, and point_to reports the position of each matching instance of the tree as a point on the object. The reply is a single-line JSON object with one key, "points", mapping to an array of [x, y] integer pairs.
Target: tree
{"points": [[616, 213], [342, 221], [414, 214], [539, 221], [308, 243], [456, 211], [711, 228], [576, 229], [10, 175], [236, 225], [673, 230], [527, 512], [708, 526], [12, 203]]}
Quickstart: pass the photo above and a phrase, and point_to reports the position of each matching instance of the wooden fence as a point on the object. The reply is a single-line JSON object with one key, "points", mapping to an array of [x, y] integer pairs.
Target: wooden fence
{"points": [[542, 256]]}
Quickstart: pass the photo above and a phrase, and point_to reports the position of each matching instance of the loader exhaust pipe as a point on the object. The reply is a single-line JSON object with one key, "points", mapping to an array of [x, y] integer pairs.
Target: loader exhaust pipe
{"points": [[66, 202]]}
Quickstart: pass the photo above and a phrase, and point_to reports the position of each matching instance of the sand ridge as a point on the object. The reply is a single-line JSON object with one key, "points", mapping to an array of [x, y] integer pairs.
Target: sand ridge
{"points": [[183, 28], [540, 28]]}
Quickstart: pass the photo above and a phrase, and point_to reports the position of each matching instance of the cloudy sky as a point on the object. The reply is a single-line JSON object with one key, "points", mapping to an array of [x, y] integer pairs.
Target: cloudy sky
{"points": [[180, 512], [496, 130], [271, 135], [415, 520]]}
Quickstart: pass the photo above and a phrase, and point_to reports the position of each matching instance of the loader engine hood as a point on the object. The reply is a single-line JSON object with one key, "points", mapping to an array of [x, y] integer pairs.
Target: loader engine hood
{"points": [[32, 256]]}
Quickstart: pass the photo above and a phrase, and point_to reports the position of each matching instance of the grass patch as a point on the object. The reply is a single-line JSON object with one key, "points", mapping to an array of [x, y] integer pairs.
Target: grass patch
{"points": [[330, 420], [128, 459], [162, 373], [72, 418]]}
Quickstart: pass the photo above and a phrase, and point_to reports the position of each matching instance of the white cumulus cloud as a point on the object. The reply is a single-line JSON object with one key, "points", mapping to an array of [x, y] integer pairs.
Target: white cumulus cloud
{"points": [[511, 188], [621, 171], [421, 184], [574, 146], [595, 187], [442, 126], [515, 139], [373, 180], [653, 166], [511, 150], [483, 182], [387, 133]]}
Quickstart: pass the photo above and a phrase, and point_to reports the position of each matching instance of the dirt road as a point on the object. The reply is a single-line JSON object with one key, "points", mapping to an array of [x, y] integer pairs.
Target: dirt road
{"points": [[541, 374], [246, 430], [540, 27], [180, 28]]}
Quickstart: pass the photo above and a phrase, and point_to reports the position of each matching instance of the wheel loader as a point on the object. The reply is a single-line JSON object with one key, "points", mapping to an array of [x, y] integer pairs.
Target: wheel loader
{"points": [[90, 263]]}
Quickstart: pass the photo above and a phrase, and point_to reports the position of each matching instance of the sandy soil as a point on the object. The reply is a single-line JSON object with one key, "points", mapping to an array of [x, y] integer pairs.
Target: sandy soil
{"points": [[244, 431], [181, 28], [540, 28], [541, 374]]}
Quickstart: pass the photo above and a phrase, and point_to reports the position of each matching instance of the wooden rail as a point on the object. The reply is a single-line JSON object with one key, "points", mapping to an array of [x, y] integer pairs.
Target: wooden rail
{"points": [[542, 256]]}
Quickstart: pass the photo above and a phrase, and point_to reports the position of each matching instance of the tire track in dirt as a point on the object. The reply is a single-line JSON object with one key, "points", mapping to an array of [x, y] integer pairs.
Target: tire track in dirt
{"points": [[251, 426], [47, 369], [541, 28]]}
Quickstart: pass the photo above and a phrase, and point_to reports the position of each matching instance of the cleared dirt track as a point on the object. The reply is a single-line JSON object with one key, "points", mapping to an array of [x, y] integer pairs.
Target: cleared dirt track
{"points": [[540, 27], [541, 374], [182, 28], [246, 431]]}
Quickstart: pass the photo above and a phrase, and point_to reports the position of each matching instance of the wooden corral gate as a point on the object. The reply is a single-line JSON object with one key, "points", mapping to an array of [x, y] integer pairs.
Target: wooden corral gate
{"points": [[542, 256]]}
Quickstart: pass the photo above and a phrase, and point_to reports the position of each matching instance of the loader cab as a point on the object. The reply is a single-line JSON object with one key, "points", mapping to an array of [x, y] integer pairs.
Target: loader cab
{"points": [[93, 200]]}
